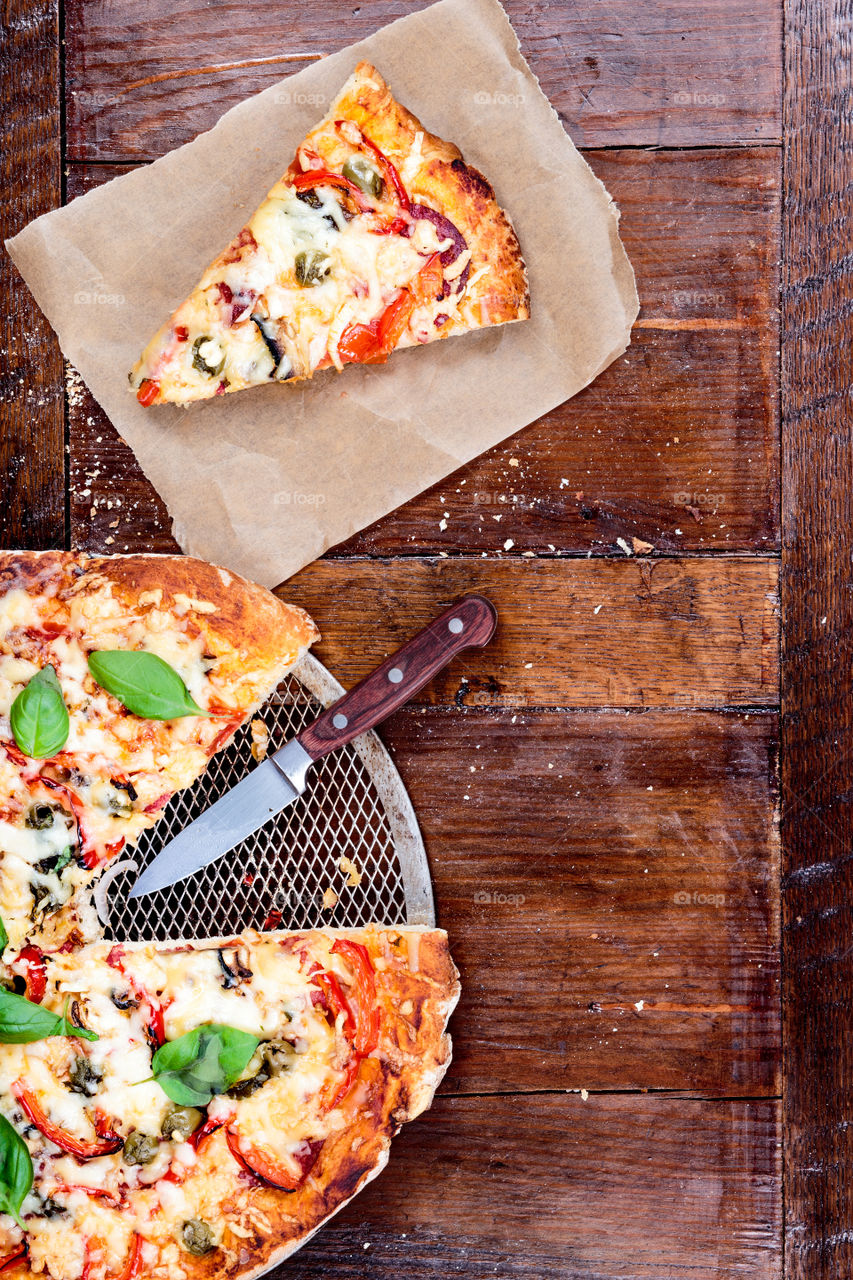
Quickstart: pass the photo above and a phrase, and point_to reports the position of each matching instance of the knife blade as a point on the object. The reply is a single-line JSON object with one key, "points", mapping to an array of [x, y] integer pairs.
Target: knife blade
{"points": [[281, 778]]}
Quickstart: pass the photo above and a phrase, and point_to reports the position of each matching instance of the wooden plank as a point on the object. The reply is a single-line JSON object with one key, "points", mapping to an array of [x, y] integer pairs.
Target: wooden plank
{"points": [[32, 464], [609, 884], [581, 633], [817, 771], [637, 1188], [676, 444], [618, 74]]}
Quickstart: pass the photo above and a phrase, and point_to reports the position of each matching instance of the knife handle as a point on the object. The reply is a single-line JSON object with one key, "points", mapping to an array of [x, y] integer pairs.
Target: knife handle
{"points": [[469, 622]]}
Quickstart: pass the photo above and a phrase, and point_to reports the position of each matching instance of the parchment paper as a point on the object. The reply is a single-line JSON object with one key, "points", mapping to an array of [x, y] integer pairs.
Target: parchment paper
{"points": [[263, 481]]}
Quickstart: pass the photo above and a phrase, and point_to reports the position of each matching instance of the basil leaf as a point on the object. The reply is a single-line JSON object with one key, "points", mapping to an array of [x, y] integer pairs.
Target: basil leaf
{"points": [[22, 1021], [39, 716], [63, 859], [202, 1063], [16, 1171], [144, 683], [4, 938]]}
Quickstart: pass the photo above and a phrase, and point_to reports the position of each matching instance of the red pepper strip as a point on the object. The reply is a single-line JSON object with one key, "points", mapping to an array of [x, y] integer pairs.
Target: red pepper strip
{"points": [[345, 1085], [16, 756], [261, 1166], [224, 734], [325, 178], [203, 1131], [372, 343], [390, 172], [130, 1269], [392, 176], [429, 282], [35, 971], [134, 1260], [335, 999], [11, 1258], [78, 1147], [397, 227], [148, 391], [96, 1193], [364, 989]]}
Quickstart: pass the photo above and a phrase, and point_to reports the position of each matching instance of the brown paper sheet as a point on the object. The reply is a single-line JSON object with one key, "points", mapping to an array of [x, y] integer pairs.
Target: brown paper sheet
{"points": [[265, 480]]}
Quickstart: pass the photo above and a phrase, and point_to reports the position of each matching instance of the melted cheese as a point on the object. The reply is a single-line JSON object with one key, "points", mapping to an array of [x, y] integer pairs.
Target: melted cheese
{"points": [[276, 1121]]}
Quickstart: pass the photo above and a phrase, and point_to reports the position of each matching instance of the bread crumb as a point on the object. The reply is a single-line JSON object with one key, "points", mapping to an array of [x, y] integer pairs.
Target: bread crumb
{"points": [[330, 899], [260, 739], [353, 875]]}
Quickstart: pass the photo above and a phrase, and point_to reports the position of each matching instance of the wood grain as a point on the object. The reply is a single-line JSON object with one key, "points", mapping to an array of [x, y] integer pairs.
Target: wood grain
{"points": [[676, 444], [817, 774], [32, 463], [609, 883], [581, 633], [141, 80], [555, 1188]]}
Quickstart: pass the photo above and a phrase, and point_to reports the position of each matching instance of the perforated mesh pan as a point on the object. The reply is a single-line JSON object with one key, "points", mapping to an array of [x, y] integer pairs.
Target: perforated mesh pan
{"points": [[355, 807]]}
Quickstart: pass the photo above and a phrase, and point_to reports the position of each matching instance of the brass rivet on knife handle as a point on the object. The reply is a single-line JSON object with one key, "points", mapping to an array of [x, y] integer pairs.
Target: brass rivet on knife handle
{"points": [[468, 623]]}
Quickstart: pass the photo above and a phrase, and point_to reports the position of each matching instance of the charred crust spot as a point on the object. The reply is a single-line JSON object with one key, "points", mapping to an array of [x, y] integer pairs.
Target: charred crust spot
{"points": [[471, 180]]}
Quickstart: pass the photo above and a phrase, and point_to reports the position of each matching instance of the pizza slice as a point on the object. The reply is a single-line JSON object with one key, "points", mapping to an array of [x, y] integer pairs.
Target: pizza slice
{"points": [[197, 1110], [378, 236], [119, 678]]}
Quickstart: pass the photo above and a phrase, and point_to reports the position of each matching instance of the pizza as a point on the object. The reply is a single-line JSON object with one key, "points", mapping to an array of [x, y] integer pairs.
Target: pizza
{"points": [[187, 1110], [306, 1054], [226, 643], [378, 236]]}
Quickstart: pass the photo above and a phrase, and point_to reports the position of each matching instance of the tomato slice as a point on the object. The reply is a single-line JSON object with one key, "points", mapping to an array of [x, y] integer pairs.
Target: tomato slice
{"points": [[35, 975], [262, 1166], [67, 1142], [148, 391], [364, 990]]}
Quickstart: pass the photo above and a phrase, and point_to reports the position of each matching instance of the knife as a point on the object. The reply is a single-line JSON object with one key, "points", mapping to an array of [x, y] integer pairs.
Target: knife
{"points": [[281, 778]]}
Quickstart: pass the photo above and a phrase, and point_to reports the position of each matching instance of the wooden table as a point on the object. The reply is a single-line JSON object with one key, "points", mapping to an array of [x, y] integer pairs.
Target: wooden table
{"points": [[599, 790]]}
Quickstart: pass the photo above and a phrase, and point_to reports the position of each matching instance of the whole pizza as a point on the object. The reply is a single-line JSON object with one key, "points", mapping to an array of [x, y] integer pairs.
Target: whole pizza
{"points": [[178, 1109]]}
